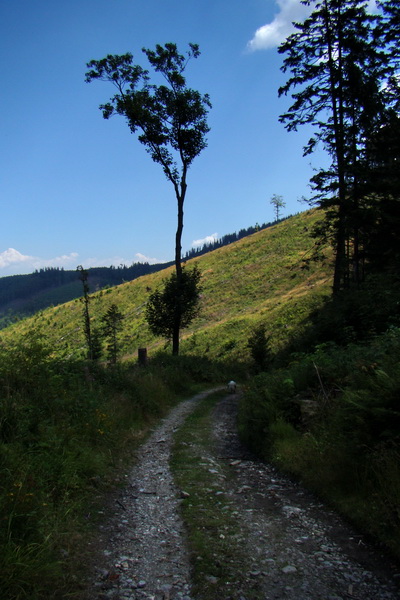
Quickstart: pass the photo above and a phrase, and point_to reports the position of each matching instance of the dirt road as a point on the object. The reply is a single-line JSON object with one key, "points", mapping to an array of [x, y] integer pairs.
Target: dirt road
{"points": [[297, 549]]}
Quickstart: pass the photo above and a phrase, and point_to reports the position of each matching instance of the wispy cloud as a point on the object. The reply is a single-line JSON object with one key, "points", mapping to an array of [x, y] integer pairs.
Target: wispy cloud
{"points": [[66, 260], [209, 239], [273, 34]]}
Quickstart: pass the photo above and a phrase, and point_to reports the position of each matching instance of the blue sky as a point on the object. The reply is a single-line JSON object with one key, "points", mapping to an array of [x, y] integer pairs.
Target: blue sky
{"points": [[77, 189]]}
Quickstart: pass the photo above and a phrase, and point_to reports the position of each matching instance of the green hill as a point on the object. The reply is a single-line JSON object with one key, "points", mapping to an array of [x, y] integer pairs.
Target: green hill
{"points": [[263, 278], [24, 295]]}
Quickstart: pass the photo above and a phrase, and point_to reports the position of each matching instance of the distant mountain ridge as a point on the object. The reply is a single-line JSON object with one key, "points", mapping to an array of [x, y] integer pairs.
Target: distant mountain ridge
{"points": [[24, 295]]}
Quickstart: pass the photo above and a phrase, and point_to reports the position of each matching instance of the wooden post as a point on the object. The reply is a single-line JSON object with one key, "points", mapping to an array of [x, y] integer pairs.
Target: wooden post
{"points": [[142, 356]]}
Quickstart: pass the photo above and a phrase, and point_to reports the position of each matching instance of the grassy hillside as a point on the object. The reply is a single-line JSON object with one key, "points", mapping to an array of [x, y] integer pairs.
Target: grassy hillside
{"points": [[259, 279], [24, 295]]}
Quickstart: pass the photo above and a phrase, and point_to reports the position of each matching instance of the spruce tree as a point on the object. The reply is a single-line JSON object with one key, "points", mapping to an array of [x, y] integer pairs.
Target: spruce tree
{"points": [[337, 64], [111, 326]]}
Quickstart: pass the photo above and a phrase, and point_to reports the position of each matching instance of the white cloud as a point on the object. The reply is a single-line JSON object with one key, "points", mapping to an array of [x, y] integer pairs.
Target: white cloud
{"points": [[66, 261], [114, 261], [12, 262], [117, 261], [12, 256], [209, 239], [142, 258], [273, 34]]}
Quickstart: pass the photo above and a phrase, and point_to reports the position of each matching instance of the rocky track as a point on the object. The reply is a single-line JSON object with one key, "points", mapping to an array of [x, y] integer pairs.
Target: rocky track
{"points": [[297, 549]]}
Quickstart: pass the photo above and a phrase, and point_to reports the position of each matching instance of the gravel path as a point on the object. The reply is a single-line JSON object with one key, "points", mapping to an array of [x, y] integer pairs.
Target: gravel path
{"points": [[142, 547], [298, 549]]}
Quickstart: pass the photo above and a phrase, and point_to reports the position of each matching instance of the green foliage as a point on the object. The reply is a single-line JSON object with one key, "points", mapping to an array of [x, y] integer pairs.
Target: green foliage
{"points": [[333, 419], [259, 347], [96, 349], [354, 315], [64, 426], [343, 67], [178, 301], [171, 119], [111, 326]]}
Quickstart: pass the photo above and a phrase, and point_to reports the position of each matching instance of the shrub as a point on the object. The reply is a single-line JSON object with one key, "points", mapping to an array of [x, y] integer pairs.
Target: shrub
{"points": [[258, 343]]}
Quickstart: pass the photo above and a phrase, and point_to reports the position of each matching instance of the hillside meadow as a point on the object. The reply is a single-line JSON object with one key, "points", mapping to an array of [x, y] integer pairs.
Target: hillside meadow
{"points": [[262, 278]]}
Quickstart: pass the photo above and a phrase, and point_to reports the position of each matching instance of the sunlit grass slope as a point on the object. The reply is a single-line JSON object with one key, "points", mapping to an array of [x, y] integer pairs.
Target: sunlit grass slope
{"points": [[260, 279]]}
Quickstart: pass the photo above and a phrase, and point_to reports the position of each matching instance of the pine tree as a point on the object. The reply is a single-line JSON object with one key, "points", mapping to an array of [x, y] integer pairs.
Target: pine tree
{"points": [[338, 61], [111, 326]]}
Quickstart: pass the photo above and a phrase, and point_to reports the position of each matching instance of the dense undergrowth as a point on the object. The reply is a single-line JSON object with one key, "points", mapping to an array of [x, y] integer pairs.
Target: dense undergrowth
{"points": [[65, 427], [329, 413]]}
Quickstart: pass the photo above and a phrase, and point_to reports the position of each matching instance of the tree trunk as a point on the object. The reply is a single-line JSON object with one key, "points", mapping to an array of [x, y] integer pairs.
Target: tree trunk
{"points": [[336, 85], [178, 267]]}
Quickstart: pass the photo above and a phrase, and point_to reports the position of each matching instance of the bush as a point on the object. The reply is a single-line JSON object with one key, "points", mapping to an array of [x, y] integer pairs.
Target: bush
{"points": [[260, 351]]}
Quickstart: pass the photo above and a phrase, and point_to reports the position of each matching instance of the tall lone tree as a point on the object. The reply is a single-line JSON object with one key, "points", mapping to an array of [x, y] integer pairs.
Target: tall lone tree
{"points": [[92, 337], [339, 69], [170, 120]]}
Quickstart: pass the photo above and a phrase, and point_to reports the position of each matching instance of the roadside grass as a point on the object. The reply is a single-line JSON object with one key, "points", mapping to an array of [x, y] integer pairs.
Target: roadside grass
{"points": [[219, 564], [68, 430]]}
